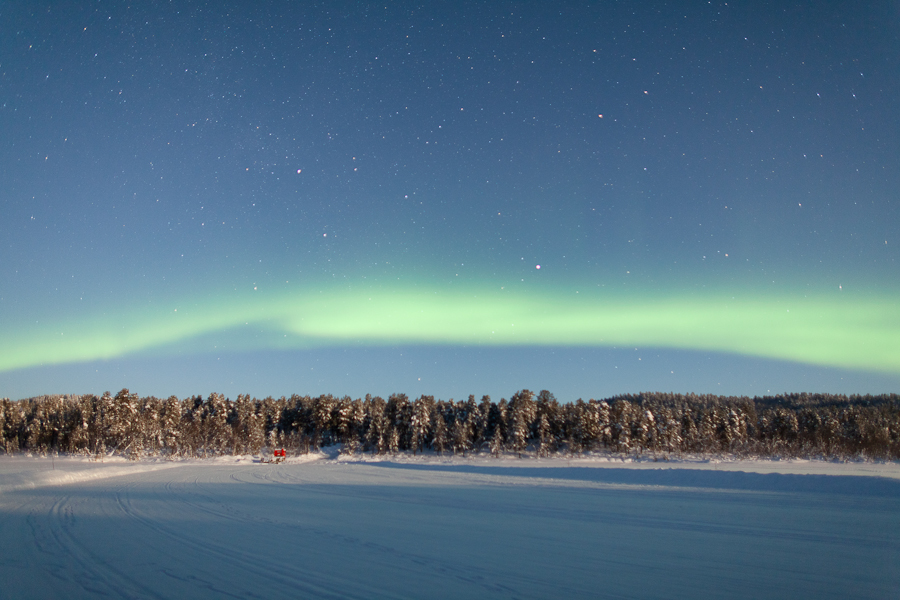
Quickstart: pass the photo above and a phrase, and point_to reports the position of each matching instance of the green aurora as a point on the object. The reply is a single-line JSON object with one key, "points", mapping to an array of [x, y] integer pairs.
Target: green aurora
{"points": [[846, 331]]}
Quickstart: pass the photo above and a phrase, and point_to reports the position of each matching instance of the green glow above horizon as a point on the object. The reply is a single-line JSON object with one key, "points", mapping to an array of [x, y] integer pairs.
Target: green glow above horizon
{"points": [[847, 332]]}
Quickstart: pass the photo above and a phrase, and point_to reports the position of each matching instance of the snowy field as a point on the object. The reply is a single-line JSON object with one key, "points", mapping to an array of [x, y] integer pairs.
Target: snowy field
{"points": [[408, 527]]}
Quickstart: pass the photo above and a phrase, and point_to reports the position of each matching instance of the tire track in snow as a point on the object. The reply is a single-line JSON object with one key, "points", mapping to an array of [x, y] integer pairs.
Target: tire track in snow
{"points": [[204, 548], [389, 554], [386, 553], [96, 575]]}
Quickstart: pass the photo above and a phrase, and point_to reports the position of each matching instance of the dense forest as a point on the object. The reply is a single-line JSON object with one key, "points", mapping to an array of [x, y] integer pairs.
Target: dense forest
{"points": [[658, 425]]}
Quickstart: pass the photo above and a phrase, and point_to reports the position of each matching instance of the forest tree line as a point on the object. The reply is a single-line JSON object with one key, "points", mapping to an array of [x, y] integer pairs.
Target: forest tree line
{"points": [[661, 425]]}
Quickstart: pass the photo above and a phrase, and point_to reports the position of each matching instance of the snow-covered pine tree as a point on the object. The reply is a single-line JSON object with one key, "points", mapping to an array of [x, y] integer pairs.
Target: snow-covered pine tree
{"points": [[357, 423], [440, 438], [9, 441], [499, 434], [620, 425], [171, 424], [393, 440], [377, 433], [548, 409], [421, 422], [545, 439], [399, 411], [521, 415], [462, 429], [321, 420], [151, 426], [483, 421], [341, 419]]}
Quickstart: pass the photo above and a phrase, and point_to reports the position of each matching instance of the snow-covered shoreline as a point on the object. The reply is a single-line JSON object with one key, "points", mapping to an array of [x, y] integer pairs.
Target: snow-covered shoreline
{"points": [[24, 471]]}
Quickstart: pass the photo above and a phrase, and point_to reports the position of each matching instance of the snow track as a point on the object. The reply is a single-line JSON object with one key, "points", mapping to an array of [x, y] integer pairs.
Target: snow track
{"points": [[409, 529]]}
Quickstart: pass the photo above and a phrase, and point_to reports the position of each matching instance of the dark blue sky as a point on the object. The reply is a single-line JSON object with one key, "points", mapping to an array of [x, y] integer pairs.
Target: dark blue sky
{"points": [[269, 167]]}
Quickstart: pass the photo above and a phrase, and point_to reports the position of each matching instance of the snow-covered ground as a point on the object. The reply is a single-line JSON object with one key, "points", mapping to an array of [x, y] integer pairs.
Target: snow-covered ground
{"points": [[429, 527]]}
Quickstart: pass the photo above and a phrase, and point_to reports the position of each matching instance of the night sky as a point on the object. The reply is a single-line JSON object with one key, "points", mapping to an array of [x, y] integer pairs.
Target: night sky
{"points": [[449, 198]]}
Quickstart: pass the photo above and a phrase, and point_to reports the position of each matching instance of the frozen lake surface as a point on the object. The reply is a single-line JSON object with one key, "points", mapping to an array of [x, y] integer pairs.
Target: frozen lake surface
{"points": [[412, 527]]}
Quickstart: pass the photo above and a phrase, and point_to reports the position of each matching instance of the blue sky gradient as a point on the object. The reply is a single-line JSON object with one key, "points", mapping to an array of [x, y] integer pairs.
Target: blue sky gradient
{"points": [[253, 166]]}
